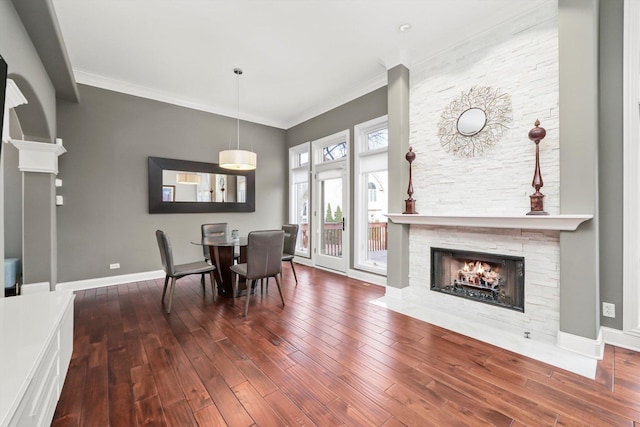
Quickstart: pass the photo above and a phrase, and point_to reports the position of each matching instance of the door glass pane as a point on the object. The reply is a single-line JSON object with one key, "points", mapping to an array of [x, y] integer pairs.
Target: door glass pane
{"points": [[301, 197], [376, 187], [331, 235], [334, 152]]}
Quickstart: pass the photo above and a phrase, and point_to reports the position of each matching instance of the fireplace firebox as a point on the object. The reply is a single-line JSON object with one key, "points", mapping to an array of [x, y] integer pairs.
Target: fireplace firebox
{"points": [[488, 278]]}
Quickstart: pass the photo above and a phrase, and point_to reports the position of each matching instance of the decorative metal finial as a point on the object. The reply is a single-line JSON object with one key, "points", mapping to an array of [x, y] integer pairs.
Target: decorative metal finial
{"points": [[410, 204], [537, 203]]}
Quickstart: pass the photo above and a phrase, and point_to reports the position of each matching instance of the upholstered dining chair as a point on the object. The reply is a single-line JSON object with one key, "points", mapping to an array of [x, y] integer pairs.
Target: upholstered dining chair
{"points": [[220, 229], [177, 271], [289, 249], [264, 260]]}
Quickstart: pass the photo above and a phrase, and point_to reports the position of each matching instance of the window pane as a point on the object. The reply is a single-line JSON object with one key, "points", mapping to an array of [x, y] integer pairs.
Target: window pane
{"points": [[301, 197], [331, 238], [377, 139], [335, 151], [303, 159], [376, 185]]}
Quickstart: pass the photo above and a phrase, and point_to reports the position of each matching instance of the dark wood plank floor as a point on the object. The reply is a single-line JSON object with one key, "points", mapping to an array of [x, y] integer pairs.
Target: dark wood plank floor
{"points": [[328, 358]]}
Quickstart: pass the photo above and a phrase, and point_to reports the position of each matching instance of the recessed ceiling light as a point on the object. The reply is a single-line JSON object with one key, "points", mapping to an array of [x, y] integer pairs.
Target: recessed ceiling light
{"points": [[404, 28]]}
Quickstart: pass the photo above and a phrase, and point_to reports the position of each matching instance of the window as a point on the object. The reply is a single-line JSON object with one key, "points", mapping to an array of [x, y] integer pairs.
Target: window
{"points": [[371, 184], [334, 152], [377, 139], [299, 195], [331, 148], [373, 197]]}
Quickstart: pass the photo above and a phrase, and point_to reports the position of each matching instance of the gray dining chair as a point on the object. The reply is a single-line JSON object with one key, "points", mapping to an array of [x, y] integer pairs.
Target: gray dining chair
{"points": [[220, 229], [289, 249], [177, 271], [264, 260]]}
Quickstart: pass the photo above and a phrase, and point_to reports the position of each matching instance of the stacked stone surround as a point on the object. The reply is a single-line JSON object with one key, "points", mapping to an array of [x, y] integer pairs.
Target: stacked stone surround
{"points": [[541, 251], [519, 58]]}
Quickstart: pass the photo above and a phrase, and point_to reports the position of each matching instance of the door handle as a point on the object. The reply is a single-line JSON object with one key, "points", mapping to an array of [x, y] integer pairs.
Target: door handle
{"points": [[342, 223]]}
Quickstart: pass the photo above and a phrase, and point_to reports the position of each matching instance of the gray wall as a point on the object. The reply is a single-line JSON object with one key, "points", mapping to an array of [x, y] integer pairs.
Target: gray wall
{"points": [[346, 116], [105, 216], [610, 157], [579, 252], [359, 110]]}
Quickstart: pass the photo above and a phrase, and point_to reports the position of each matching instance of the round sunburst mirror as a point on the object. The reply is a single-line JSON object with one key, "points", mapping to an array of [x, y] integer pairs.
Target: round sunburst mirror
{"points": [[475, 121]]}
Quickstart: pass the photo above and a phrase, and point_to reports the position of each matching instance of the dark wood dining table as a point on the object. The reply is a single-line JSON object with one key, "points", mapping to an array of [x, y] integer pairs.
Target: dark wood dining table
{"points": [[222, 253]]}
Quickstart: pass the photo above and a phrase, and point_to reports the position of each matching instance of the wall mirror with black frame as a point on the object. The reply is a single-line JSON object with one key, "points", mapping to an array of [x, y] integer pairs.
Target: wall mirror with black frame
{"points": [[183, 186]]}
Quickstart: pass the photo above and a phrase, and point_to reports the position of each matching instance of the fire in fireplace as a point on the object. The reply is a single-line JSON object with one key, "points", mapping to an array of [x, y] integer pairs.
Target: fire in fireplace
{"points": [[488, 278]]}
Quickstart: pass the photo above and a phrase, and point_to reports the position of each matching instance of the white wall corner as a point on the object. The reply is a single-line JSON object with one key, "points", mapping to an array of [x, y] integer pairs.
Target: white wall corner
{"points": [[581, 345], [101, 282], [38, 156]]}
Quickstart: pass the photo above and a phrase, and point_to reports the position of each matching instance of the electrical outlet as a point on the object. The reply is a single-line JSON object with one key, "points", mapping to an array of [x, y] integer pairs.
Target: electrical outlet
{"points": [[608, 309], [114, 266]]}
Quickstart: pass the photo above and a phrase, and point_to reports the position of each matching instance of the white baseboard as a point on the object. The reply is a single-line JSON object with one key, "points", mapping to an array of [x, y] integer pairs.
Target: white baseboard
{"points": [[34, 288], [620, 338], [397, 293], [100, 282], [303, 261], [581, 345], [367, 277]]}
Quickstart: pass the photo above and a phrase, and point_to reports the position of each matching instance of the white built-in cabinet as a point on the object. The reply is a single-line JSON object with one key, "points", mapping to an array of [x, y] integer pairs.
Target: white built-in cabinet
{"points": [[36, 342]]}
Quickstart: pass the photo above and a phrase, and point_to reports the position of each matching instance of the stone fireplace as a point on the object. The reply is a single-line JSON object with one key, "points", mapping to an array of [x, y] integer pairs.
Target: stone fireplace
{"points": [[479, 276], [478, 203]]}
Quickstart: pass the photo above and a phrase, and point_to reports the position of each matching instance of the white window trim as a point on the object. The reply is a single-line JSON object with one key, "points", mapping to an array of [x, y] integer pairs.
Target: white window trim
{"points": [[294, 152], [361, 193]]}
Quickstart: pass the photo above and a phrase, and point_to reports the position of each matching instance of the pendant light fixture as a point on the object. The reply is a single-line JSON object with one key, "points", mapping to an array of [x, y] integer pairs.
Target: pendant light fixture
{"points": [[237, 159]]}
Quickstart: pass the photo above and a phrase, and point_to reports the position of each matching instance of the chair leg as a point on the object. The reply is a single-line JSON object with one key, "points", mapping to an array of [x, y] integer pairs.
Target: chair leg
{"points": [[277, 276], [213, 284], [294, 272], [246, 305], [171, 291], [202, 282], [164, 291]]}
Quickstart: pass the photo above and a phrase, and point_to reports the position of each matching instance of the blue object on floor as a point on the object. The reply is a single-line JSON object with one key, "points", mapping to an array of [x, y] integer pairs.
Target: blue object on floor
{"points": [[11, 269]]}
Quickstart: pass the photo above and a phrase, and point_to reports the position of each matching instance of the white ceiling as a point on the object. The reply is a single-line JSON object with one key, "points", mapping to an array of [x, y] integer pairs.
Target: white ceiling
{"points": [[300, 57]]}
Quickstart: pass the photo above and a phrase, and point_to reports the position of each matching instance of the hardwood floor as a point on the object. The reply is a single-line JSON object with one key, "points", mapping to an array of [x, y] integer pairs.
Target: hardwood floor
{"points": [[328, 358]]}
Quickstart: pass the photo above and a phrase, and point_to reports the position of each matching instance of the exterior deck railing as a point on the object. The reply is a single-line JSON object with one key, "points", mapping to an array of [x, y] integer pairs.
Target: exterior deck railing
{"points": [[332, 237]]}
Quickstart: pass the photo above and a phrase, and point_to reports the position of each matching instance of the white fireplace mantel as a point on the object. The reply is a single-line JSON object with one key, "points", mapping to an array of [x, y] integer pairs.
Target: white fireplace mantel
{"points": [[527, 222]]}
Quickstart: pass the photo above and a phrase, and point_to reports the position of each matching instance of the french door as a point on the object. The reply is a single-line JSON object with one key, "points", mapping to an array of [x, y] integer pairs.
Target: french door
{"points": [[331, 202]]}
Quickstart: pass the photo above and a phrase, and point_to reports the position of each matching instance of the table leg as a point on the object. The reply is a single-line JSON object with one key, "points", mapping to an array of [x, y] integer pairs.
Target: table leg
{"points": [[222, 257]]}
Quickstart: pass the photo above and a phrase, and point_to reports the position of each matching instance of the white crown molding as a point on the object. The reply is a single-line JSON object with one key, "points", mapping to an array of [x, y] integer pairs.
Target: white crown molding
{"points": [[13, 98], [376, 82], [101, 282], [38, 156], [96, 80]]}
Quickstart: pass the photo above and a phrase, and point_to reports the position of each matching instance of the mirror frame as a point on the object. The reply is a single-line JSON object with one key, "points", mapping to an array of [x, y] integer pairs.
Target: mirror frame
{"points": [[156, 205]]}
